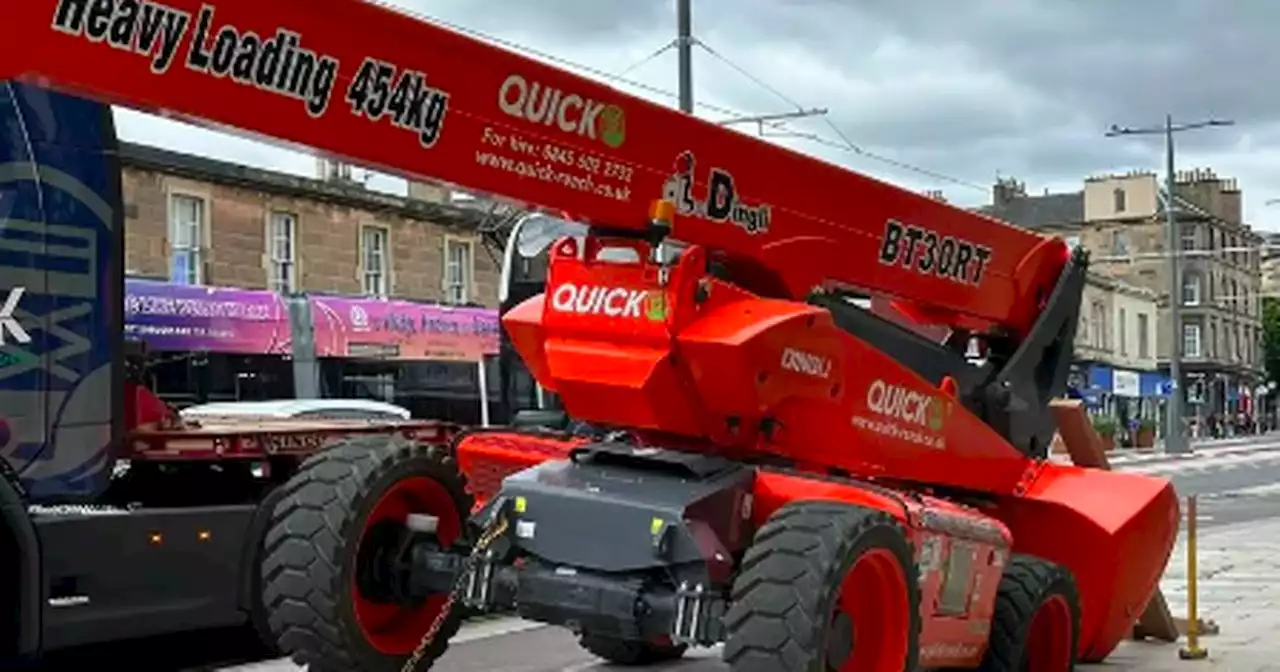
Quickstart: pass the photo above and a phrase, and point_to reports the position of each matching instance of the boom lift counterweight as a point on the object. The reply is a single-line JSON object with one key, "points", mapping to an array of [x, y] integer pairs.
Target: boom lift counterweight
{"points": [[762, 429]]}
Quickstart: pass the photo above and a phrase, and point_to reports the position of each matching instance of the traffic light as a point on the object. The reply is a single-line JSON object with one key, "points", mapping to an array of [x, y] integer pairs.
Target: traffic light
{"points": [[1195, 392]]}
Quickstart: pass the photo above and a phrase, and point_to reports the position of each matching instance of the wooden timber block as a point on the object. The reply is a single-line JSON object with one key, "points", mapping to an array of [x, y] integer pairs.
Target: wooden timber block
{"points": [[1077, 432], [1207, 628], [1157, 622], [1085, 447], [1058, 447]]}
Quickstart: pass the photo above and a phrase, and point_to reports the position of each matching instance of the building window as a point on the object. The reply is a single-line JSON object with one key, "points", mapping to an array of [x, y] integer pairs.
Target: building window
{"points": [[1123, 329], [373, 261], [1118, 196], [458, 261], [186, 239], [1189, 237], [1191, 340], [1120, 242], [1144, 339], [281, 233], [1191, 289], [1099, 323]]}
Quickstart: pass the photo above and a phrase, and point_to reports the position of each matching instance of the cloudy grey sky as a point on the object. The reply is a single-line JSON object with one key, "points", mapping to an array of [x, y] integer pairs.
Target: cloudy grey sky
{"points": [[1022, 88]]}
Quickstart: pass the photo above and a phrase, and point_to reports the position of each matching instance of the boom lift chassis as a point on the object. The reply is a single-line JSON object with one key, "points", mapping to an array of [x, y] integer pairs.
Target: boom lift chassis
{"points": [[811, 486]]}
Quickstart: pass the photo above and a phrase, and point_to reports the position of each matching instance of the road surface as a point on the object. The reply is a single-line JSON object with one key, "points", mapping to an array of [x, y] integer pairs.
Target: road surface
{"points": [[1235, 481]]}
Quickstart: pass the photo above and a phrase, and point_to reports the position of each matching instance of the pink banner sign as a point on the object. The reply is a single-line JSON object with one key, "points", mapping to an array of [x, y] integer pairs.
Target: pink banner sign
{"points": [[171, 317], [372, 328]]}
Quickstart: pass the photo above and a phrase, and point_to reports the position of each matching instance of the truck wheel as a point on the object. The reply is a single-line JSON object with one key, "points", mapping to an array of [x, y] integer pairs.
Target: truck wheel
{"points": [[626, 652], [825, 586], [324, 605], [17, 562], [1037, 619], [259, 618]]}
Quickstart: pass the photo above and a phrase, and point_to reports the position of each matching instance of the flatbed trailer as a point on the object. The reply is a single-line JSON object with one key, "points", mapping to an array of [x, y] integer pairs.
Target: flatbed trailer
{"points": [[176, 542]]}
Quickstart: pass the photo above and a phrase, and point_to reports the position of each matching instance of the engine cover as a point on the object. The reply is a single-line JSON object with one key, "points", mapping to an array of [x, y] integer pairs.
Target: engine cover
{"points": [[616, 508]]}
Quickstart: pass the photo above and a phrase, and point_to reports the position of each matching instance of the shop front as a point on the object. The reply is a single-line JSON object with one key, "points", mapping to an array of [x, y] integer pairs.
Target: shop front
{"points": [[437, 361], [208, 344], [1226, 402], [1129, 404]]}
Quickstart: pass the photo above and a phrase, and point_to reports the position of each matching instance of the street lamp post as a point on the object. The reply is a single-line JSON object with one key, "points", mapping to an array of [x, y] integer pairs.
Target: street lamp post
{"points": [[1175, 442]]}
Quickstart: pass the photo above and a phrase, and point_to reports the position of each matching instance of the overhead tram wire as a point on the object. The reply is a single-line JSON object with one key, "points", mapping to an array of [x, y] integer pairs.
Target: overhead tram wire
{"points": [[782, 126], [644, 61], [849, 145]]}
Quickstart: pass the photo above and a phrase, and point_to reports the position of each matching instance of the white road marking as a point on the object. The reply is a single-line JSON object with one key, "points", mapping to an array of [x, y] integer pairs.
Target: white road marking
{"points": [[471, 632], [278, 665], [496, 628], [1216, 462], [1255, 491]]}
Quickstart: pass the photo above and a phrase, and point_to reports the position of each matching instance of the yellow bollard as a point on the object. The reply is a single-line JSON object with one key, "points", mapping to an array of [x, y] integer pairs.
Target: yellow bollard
{"points": [[1193, 650]]}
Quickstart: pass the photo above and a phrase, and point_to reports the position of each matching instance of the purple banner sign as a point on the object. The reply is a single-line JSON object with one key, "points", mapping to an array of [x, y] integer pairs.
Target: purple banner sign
{"points": [[350, 327], [172, 317]]}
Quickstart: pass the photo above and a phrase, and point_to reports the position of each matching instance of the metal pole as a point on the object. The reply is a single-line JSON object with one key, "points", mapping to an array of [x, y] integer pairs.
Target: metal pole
{"points": [[483, 387], [684, 49], [1193, 650], [1174, 442]]}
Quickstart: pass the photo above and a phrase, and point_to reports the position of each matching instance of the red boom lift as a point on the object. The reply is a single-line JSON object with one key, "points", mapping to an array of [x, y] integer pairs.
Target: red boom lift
{"points": [[782, 472]]}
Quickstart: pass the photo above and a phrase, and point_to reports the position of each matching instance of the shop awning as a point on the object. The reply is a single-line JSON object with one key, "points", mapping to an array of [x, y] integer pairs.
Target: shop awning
{"points": [[378, 329], [175, 318]]}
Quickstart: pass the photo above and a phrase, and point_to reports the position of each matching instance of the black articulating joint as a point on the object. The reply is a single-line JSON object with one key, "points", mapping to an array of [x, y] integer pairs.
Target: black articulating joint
{"points": [[1034, 370], [632, 548]]}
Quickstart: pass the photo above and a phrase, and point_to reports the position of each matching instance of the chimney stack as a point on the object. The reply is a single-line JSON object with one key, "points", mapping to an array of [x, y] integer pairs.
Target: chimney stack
{"points": [[1007, 190]]}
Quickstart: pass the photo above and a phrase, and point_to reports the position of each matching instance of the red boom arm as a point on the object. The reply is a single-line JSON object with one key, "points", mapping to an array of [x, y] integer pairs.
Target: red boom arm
{"points": [[366, 83]]}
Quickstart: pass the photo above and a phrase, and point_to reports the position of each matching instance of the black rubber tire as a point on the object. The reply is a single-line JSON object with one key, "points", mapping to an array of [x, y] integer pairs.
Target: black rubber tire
{"points": [[630, 653], [12, 495], [778, 623], [259, 615], [1028, 582], [311, 549]]}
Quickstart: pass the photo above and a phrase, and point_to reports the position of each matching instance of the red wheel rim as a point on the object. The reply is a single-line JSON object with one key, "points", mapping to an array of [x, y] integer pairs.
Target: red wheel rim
{"points": [[873, 615], [395, 629], [1049, 637]]}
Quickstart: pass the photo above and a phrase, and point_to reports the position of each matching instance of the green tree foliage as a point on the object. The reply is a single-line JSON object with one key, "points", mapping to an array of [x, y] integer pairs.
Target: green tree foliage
{"points": [[1271, 336]]}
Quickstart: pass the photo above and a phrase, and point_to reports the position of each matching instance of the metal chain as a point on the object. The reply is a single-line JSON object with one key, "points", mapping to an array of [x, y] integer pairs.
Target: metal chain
{"points": [[496, 529]]}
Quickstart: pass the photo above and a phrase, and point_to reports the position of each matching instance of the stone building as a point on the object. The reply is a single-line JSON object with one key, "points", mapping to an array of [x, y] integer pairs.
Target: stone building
{"points": [[1121, 220], [195, 220], [1116, 366]]}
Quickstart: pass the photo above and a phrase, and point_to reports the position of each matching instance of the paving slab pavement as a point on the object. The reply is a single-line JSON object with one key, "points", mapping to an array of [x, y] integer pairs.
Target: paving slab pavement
{"points": [[1239, 588]]}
